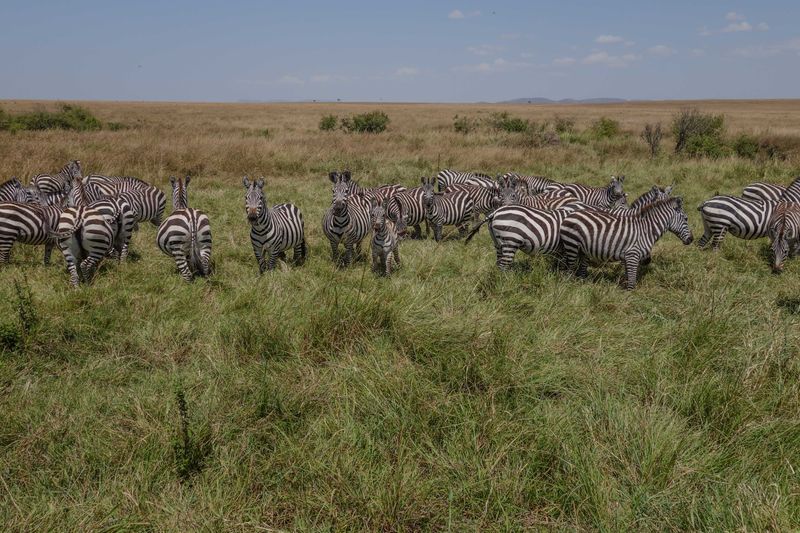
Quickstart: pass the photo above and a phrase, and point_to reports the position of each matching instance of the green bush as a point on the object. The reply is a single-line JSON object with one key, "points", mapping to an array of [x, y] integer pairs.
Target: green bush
{"points": [[746, 146], [328, 123], [464, 124], [10, 337], [505, 122], [69, 117], [604, 128], [706, 146], [690, 123], [372, 122]]}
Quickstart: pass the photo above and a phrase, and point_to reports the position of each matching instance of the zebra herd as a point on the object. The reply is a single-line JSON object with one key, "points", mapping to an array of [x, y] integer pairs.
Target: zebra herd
{"points": [[93, 217]]}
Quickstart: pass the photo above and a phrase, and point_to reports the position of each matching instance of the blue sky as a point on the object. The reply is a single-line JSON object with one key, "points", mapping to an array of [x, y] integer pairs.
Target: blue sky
{"points": [[400, 51]]}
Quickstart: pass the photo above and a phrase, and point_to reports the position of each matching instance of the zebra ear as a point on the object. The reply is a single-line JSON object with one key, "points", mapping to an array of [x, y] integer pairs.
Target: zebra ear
{"points": [[172, 180], [334, 177], [621, 179], [668, 189], [422, 180], [372, 203], [186, 181], [246, 182], [346, 175], [260, 182], [678, 202]]}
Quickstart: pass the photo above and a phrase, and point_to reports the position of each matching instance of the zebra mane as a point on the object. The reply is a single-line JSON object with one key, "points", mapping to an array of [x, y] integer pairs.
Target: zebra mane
{"points": [[677, 200]]}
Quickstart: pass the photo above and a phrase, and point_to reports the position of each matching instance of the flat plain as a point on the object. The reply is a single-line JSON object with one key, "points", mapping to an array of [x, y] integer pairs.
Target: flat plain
{"points": [[449, 396]]}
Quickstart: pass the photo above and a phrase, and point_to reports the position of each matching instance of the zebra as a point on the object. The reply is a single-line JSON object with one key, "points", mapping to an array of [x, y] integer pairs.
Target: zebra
{"points": [[792, 193], [59, 182], [484, 200], [85, 236], [447, 209], [185, 235], [346, 220], [84, 195], [383, 191], [411, 203], [451, 177], [603, 236], [605, 197], [548, 200], [385, 237], [112, 185], [273, 229], [516, 227], [28, 223], [147, 200], [746, 219], [763, 191], [532, 184], [13, 191], [784, 233]]}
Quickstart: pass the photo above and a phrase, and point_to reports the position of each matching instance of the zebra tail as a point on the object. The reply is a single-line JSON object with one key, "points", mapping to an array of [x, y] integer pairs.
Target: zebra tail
{"points": [[474, 230], [194, 254]]}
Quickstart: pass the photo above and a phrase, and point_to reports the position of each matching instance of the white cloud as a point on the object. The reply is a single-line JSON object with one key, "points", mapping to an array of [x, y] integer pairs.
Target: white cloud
{"points": [[762, 26], [791, 46], [458, 14], [737, 26], [661, 50], [604, 58], [484, 49], [498, 65], [564, 61], [289, 79], [406, 71], [608, 39], [733, 16], [526, 55], [698, 52]]}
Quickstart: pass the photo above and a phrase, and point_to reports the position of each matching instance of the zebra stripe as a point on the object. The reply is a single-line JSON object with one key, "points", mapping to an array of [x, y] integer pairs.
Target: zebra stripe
{"points": [[185, 235], [412, 205], [381, 191], [273, 230], [59, 182], [25, 223], [591, 234], [385, 238], [484, 200], [87, 195], [532, 184], [784, 233], [147, 200], [13, 191], [346, 220], [792, 193], [85, 236], [603, 197], [452, 177], [745, 219], [763, 191], [447, 209]]}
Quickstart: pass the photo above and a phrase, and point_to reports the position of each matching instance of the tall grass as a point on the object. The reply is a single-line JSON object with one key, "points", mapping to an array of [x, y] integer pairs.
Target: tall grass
{"points": [[449, 396]]}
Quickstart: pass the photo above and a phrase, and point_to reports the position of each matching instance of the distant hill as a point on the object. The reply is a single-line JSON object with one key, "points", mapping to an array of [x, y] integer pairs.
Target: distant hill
{"points": [[564, 101]]}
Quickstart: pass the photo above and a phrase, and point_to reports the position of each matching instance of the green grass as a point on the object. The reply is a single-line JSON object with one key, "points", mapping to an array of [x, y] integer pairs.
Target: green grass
{"points": [[449, 396]]}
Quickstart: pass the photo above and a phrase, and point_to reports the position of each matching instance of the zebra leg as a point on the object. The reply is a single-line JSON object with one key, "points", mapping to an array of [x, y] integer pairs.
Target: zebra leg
{"points": [[48, 249], [716, 240], [124, 253], [334, 250], [396, 254], [273, 258], [437, 232], [5, 251], [631, 270], [205, 262], [182, 264], [706, 235], [417, 232], [427, 229], [89, 267], [299, 256], [348, 254], [582, 270], [257, 251], [387, 263], [505, 256], [71, 250]]}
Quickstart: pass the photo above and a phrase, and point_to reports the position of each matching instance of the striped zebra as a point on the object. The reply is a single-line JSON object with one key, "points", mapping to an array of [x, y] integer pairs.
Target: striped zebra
{"points": [[85, 236], [548, 200], [484, 200], [453, 177], [516, 227], [763, 191], [28, 223], [532, 184], [273, 229], [147, 201], [412, 205], [385, 237], [185, 235], [447, 209], [346, 221], [13, 191], [604, 197], [383, 191], [784, 233], [592, 234], [792, 193], [59, 182], [84, 195], [745, 219]]}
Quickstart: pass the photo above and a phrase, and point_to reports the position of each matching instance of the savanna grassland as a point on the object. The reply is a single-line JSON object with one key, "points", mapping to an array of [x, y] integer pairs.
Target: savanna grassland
{"points": [[449, 396]]}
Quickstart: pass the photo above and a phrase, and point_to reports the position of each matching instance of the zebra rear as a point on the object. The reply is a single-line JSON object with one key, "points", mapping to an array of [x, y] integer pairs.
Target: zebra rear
{"points": [[742, 218], [185, 235]]}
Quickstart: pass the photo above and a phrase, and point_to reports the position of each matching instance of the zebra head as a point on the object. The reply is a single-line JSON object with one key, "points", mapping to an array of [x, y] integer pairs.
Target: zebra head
{"points": [[19, 193], [340, 191], [180, 197], [253, 198], [377, 214], [781, 234], [427, 191], [616, 194], [679, 222], [401, 224], [74, 169], [509, 191]]}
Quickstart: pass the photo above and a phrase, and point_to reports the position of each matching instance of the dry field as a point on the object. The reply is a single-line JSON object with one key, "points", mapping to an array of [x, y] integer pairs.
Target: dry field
{"points": [[450, 396]]}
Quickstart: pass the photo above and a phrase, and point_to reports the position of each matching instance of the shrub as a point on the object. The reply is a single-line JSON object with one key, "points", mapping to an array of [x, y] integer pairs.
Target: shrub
{"points": [[604, 128], [651, 135], [505, 122], [189, 449], [746, 146], [706, 146], [328, 122], [372, 122], [69, 117], [690, 123], [563, 125], [10, 337], [464, 124]]}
